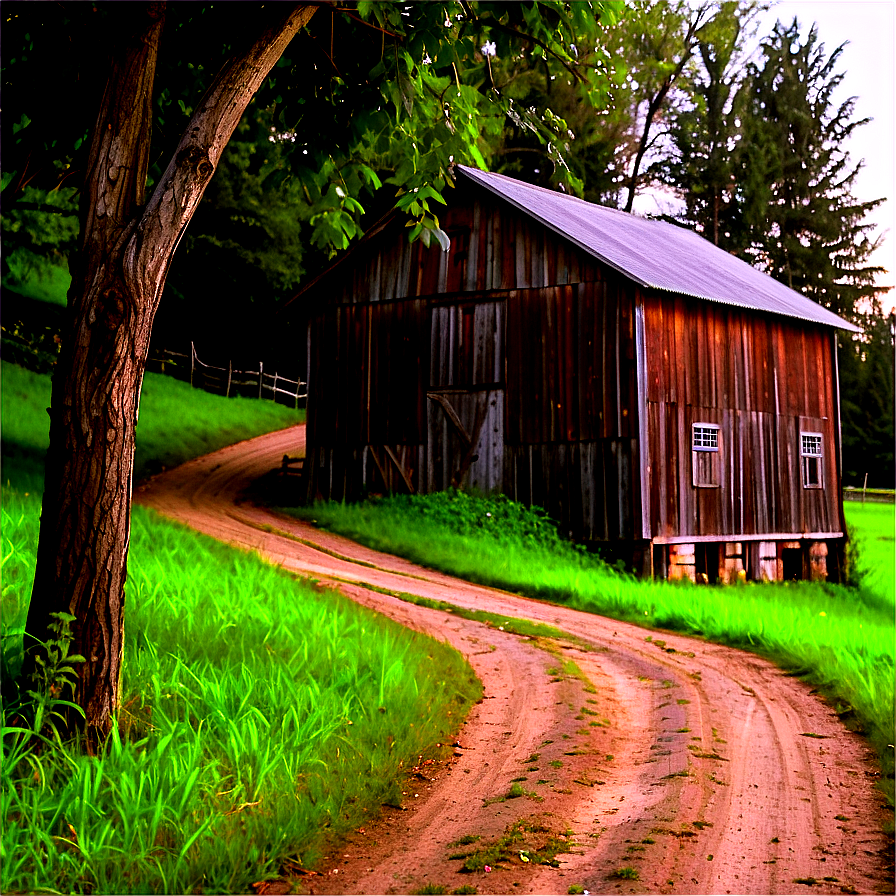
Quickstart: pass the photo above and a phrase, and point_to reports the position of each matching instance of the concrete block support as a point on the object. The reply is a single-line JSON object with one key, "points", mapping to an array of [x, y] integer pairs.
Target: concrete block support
{"points": [[768, 562], [732, 564], [818, 561], [682, 562]]}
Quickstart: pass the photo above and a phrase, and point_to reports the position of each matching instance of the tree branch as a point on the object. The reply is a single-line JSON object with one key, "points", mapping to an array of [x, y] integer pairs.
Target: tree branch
{"points": [[180, 188], [351, 15]]}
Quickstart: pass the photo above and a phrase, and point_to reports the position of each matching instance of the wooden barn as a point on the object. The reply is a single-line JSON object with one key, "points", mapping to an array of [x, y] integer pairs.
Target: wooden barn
{"points": [[653, 393]]}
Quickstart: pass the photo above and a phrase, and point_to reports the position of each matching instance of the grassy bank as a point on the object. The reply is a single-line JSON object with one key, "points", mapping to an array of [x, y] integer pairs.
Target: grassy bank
{"points": [[177, 423], [260, 716], [840, 638]]}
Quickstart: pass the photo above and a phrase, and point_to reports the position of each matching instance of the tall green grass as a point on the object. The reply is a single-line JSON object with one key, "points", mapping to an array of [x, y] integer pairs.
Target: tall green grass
{"points": [[841, 638], [261, 716]]}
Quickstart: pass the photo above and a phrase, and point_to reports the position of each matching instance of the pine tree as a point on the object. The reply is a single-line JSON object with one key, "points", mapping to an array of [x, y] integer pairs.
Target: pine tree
{"points": [[759, 159], [867, 400], [795, 178]]}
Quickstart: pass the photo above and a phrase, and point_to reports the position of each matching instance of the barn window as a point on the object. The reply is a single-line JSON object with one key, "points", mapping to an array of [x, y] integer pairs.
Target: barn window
{"points": [[705, 452], [811, 457]]}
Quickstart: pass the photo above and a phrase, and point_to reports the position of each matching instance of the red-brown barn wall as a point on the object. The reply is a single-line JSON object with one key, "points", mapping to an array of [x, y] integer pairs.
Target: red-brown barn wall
{"points": [[515, 325], [762, 379]]}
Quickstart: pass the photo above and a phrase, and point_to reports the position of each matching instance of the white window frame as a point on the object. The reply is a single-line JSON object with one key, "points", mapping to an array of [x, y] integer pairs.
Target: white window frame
{"points": [[705, 440], [812, 459], [708, 428]]}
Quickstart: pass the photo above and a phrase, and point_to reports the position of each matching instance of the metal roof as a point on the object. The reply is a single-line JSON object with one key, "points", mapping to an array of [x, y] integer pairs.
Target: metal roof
{"points": [[656, 254]]}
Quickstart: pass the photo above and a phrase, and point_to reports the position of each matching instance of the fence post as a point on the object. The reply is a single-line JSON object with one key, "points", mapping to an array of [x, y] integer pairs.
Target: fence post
{"points": [[192, 361], [229, 376], [275, 385], [864, 489], [260, 377]]}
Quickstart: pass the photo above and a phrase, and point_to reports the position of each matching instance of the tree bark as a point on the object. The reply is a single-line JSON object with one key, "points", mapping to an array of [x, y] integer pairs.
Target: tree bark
{"points": [[124, 254]]}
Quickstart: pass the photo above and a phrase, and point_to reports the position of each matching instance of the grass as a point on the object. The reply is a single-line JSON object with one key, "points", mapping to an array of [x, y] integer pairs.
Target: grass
{"points": [[261, 716], [177, 423], [525, 841], [841, 639], [39, 278], [874, 527]]}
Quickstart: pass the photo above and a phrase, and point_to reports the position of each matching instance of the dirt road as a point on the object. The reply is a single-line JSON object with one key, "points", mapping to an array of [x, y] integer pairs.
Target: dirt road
{"points": [[678, 766]]}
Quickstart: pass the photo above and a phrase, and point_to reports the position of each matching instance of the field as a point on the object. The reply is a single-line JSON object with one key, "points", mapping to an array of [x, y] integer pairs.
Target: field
{"points": [[841, 639], [875, 530], [261, 716]]}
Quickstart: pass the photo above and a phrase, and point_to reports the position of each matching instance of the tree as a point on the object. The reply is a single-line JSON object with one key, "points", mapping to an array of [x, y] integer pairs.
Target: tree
{"points": [[401, 106], [243, 252], [868, 399], [124, 253], [705, 130], [663, 38], [761, 164], [795, 177], [583, 160]]}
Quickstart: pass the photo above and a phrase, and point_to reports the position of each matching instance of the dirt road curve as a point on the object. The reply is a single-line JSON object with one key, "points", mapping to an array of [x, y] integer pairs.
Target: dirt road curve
{"points": [[704, 769]]}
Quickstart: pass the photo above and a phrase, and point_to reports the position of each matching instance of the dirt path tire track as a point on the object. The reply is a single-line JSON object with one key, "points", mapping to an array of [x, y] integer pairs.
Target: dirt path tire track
{"points": [[690, 762]]}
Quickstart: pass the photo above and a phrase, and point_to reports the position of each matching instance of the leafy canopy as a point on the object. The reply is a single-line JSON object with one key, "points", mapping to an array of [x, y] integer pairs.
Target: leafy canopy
{"points": [[369, 93]]}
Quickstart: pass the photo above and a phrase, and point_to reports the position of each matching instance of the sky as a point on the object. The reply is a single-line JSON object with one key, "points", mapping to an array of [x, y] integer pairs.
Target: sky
{"points": [[869, 29]]}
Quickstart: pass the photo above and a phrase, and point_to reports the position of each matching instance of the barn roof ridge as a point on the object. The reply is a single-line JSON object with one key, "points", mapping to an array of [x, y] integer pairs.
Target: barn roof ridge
{"points": [[656, 254]]}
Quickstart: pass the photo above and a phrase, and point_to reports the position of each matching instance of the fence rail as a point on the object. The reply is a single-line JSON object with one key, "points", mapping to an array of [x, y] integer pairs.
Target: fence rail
{"points": [[874, 495], [229, 380]]}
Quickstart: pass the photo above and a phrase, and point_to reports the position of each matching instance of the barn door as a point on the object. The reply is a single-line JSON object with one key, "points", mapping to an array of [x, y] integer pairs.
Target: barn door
{"points": [[465, 399]]}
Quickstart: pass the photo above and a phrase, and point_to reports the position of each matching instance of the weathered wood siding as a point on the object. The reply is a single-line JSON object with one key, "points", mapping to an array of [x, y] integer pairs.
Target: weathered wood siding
{"points": [[572, 427], [507, 364], [762, 379], [493, 247]]}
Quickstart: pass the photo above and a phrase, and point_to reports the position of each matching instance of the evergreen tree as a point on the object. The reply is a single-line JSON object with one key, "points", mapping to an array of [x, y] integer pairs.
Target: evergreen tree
{"points": [[762, 167], [704, 130], [867, 400], [795, 179]]}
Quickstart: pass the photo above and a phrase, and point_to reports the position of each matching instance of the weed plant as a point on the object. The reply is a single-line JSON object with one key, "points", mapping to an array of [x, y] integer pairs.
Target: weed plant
{"points": [[261, 716], [841, 639]]}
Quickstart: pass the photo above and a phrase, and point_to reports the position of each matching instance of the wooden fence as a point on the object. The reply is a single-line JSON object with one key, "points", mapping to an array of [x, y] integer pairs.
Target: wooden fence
{"points": [[228, 380]]}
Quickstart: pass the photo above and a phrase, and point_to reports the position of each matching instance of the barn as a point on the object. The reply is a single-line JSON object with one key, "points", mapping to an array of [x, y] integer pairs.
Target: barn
{"points": [[656, 395]]}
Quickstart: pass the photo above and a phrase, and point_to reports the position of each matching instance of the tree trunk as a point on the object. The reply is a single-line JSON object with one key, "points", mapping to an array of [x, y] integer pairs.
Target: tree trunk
{"points": [[644, 141], [124, 254]]}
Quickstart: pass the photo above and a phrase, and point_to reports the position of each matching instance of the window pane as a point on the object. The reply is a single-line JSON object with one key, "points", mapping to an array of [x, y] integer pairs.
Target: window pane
{"points": [[706, 458], [705, 438], [811, 471], [810, 444]]}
